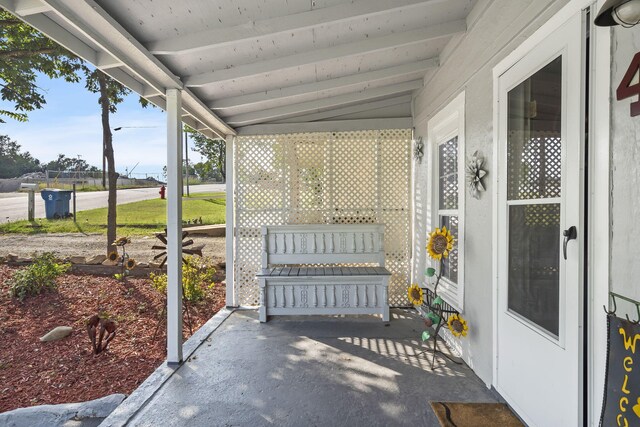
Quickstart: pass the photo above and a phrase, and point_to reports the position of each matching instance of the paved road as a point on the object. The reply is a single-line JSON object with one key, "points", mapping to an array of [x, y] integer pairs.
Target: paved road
{"points": [[13, 206]]}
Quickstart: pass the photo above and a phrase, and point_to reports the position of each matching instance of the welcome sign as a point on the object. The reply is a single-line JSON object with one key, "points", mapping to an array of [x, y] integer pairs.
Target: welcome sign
{"points": [[622, 384]]}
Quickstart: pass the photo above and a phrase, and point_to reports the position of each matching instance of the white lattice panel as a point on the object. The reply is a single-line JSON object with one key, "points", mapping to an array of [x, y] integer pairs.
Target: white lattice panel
{"points": [[327, 178]]}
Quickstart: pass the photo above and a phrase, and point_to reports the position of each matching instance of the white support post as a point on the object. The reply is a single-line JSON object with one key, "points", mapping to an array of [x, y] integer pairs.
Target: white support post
{"points": [[174, 226], [230, 226]]}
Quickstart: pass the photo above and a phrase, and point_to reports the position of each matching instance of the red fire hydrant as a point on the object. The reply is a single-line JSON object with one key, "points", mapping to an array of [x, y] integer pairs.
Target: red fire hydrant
{"points": [[162, 191]]}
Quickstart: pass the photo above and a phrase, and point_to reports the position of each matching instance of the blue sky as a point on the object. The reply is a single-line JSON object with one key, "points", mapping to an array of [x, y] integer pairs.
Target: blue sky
{"points": [[70, 124]]}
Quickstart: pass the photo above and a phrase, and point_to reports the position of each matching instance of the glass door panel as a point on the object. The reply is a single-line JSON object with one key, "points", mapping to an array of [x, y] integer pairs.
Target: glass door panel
{"points": [[534, 152]]}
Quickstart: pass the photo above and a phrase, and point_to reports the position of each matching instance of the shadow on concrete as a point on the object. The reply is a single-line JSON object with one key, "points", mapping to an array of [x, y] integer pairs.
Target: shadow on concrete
{"points": [[322, 371]]}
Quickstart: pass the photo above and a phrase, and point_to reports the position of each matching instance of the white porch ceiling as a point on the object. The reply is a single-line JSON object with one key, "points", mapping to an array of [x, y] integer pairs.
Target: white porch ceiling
{"points": [[260, 62]]}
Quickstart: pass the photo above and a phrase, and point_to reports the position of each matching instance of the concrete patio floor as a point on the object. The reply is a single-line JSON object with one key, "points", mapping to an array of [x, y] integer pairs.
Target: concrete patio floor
{"points": [[310, 371]]}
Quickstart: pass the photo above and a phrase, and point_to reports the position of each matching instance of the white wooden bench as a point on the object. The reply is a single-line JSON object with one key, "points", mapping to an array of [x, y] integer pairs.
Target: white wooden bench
{"points": [[291, 284]]}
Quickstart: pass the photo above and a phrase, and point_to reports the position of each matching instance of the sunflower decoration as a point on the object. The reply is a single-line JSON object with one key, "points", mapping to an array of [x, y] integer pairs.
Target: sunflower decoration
{"points": [[416, 295], [130, 264], [457, 325], [121, 241], [440, 243], [113, 256]]}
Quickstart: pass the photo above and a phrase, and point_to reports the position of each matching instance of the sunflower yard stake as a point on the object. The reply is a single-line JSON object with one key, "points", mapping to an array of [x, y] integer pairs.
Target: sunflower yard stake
{"points": [[126, 263], [432, 310]]}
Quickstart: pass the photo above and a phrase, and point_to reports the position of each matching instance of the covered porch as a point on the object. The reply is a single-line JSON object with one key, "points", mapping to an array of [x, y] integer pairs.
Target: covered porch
{"points": [[324, 105], [314, 100], [321, 371]]}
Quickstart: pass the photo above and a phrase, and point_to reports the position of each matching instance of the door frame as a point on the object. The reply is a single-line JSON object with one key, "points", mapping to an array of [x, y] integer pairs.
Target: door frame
{"points": [[598, 226]]}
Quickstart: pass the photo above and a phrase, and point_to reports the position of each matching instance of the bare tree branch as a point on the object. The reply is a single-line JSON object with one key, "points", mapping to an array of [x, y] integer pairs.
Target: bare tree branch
{"points": [[26, 52], [7, 22]]}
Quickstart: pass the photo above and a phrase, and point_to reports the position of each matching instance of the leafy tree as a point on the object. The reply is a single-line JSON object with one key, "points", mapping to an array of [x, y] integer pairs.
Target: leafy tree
{"points": [[13, 162], [24, 52], [204, 170], [64, 163], [111, 93], [214, 150]]}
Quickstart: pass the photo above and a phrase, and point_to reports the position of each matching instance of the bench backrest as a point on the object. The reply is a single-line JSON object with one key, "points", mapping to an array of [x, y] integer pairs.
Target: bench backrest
{"points": [[323, 244]]}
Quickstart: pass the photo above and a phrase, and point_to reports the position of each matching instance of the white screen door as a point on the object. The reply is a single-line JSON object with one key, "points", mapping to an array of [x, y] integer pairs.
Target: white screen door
{"points": [[539, 325]]}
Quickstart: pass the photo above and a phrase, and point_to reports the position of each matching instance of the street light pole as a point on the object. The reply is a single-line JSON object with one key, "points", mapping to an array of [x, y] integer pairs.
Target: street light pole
{"points": [[104, 148]]}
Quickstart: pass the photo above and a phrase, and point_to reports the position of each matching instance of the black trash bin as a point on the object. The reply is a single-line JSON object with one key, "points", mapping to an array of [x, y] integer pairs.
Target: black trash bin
{"points": [[56, 203]]}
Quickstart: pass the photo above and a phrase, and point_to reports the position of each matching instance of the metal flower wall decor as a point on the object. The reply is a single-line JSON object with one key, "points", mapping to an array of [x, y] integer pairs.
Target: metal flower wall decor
{"points": [[432, 310], [418, 149], [475, 173]]}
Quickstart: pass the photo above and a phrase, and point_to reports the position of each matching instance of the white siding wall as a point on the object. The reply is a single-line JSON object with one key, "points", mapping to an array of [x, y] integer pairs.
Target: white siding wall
{"points": [[625, 174], [467, 65]]}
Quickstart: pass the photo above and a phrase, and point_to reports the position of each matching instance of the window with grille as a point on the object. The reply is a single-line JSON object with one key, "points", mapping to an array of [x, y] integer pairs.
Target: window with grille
{"points": [[446, 142], [448, 195]]}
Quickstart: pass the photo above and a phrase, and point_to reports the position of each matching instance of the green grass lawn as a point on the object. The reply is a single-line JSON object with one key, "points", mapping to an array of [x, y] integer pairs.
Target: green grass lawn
{"points": [[136, 218], [206, 195]]}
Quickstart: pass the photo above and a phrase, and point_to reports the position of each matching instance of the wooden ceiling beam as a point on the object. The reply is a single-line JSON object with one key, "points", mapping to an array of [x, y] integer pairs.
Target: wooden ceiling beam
{"points": [[314, 56], [258, 99], [218, 37], [299, 109]]}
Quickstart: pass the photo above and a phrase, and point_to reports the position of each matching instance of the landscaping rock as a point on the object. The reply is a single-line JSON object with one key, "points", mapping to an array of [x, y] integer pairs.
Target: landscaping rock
{"points": [[143, 265], [11, 257], [57, 333], [96, 260], [107, 262], [76, 414], [154, 265], [20, 259], [77, 260]]}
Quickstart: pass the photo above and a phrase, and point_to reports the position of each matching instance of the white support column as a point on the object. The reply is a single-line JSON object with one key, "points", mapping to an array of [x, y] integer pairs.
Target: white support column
{"points": [[174, 226], [230, 226]]}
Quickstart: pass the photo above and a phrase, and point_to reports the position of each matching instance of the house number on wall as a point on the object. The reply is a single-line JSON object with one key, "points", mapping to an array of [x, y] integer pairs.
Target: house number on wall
{"points": [[627, 88]]}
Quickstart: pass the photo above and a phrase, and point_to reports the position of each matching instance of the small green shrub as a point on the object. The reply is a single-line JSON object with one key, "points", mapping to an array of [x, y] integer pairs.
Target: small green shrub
{"points": [[159, 282], [37, 277], [197, 277]]}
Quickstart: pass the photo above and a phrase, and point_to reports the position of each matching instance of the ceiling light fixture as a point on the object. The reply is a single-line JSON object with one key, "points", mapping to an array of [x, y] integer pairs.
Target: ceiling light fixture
{"points": [[619, 12]]}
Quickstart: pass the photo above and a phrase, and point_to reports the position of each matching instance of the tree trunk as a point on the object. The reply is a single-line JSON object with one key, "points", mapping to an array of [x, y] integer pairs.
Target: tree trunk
{"points": [[222, 164], [107, 142]]}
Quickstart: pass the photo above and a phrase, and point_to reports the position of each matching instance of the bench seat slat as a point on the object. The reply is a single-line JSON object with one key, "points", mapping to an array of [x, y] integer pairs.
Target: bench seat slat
{"points": [[323, 271], [382, 270]]}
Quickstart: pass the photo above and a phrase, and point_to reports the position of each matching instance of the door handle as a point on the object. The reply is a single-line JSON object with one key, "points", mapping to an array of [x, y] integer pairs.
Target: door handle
{"points": [[569, 234]]}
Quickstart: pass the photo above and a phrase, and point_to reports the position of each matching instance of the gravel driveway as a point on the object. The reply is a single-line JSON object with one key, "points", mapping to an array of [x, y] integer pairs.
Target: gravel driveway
{"points": [[78, 244]]}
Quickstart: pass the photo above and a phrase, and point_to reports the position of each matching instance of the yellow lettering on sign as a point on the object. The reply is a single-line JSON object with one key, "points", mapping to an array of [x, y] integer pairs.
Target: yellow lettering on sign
{"points": [[629, 343], [627, 366], [624, 386], [626, 423], [626, 400]]}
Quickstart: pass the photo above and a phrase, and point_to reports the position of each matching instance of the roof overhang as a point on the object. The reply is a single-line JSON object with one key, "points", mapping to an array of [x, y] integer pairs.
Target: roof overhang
{"points": [[275, 64]]}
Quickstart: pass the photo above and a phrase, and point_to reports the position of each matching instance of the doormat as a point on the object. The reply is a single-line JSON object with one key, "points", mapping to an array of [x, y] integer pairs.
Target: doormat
{"points": [[457, 414]]}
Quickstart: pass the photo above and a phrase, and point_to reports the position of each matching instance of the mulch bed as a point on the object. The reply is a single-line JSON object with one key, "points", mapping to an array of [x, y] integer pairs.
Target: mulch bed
{"points": [[35, 373]]}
